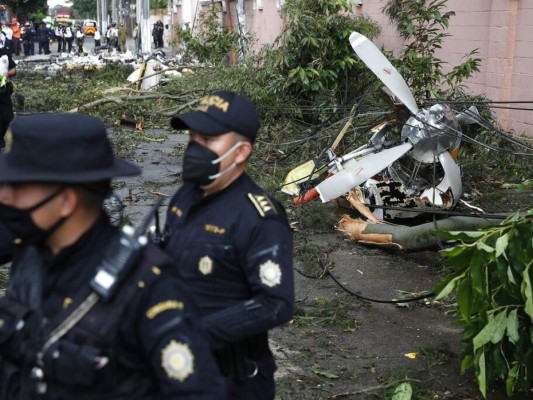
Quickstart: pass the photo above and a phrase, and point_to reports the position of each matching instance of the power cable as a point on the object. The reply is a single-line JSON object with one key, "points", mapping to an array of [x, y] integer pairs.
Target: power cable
{"points": [[372, 300]]}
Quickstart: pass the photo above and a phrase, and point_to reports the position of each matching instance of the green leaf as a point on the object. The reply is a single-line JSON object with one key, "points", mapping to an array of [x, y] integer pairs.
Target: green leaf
{"points": [[482, 246], [512, 326], [510, 275], [449, 287], [403, 391], [527, 292], [322, 372], [486, 334], [510, 381], [501, 244], [501, 324], [466, 363], [464, 298], [477, 273], [481, 374]]}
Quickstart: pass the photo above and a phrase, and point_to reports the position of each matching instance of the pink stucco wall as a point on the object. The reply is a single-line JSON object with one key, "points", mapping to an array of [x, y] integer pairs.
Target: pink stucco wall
{"points": [[501, 30]]}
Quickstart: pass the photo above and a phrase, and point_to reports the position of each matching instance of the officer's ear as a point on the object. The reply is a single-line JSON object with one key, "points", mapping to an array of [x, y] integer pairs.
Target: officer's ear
{"points": [[69, 201], [243, 151]]}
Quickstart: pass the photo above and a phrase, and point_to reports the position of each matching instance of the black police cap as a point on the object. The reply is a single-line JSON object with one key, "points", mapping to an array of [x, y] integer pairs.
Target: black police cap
{"points": [[219, 113], [63, 148]]}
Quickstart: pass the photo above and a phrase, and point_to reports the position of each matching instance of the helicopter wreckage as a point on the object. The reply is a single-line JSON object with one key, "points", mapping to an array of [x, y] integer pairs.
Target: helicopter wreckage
{"points": [[395, 179]]}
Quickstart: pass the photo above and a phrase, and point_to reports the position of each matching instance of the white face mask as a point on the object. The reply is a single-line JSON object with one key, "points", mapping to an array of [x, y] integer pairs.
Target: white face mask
{"points": [[201, 165], [223, 156]]}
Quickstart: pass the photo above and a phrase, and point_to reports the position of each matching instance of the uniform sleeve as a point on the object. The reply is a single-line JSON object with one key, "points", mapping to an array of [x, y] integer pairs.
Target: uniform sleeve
{"points": [[170, 333], [267, 260]]}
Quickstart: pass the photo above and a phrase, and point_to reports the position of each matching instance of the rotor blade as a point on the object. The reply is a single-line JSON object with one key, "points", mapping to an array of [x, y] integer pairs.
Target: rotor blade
{"points": [[359, 172], [383, 69]]}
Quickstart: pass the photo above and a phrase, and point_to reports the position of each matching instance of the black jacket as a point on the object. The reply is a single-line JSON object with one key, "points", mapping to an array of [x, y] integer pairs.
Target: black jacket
{"points": [[145, 344]]}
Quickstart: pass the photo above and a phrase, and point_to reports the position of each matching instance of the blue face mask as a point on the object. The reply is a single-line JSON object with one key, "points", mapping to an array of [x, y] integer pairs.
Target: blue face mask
{"points": [[20, 222], [201, 166]]}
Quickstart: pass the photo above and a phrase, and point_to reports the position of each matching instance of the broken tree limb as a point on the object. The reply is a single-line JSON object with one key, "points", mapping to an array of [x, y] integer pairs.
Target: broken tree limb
{"points": [[113, 99], [353, 198], [121, 99], [409, 238], [177, 110]]}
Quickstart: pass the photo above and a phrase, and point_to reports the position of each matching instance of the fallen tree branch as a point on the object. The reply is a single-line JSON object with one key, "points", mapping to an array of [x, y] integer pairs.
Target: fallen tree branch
{"points": [[409, 238], [120, 99], [177, 110], [113, 99]]}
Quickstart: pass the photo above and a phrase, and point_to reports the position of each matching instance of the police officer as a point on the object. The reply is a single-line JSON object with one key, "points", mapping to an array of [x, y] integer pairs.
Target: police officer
{"points": [[43, 33], [8, 69], [232, 243], [133, 332], [28, 33]]}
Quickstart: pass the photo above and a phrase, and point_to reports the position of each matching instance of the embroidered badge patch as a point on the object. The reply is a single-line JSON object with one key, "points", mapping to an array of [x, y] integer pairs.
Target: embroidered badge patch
{"points": [[205, 265], [164, 306], [263, 205], [177, 360], [270, 273]]}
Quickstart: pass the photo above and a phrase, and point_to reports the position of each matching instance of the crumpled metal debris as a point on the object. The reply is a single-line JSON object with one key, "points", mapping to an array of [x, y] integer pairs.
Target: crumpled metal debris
{"points": [[51, 64]]}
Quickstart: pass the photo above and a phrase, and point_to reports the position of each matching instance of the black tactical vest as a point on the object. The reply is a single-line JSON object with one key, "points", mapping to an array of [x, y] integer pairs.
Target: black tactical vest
{"points": [[89, 362]]}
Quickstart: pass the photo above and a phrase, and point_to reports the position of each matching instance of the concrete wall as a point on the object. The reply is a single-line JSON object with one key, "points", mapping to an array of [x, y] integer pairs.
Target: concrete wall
{"points": [[500, 29]]}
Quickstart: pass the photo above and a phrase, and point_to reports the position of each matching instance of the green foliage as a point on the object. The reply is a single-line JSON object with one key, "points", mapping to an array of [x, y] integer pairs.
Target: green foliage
{"points": [[23, 8], [83, 8], [158, 4], [493, 284], [210, 41], [421, 23], [313, 51]]}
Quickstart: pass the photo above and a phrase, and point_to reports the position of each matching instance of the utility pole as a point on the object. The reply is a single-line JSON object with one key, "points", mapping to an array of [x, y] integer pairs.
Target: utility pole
{"points": [[98, 15], [114, 11], [103, 10], [146, 32], [170, 19]]}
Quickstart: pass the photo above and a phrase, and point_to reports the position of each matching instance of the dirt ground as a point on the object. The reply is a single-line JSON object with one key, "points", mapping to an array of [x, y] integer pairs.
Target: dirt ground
{"points": [[338, 346]]}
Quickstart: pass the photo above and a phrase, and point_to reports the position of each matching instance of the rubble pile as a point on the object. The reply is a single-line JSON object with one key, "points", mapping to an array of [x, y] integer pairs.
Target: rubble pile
{"points": [[97, 59]]}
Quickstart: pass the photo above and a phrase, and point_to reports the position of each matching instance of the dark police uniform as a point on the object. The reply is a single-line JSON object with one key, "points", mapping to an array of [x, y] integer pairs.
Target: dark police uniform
{"points": [[58, 339], [234, 249], [145, 344]]}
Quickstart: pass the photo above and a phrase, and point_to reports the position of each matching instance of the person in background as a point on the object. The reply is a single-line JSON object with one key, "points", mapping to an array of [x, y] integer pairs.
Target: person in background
{"points": [[69, 38], [97, 38], [3, 40], [137, 37], [79, 39], [231, 242], [9, 35], [122, 35], [59, 33], [113, 35], [27, 35], [8, 69], [95, 325], [16, 38], [43, 35]]}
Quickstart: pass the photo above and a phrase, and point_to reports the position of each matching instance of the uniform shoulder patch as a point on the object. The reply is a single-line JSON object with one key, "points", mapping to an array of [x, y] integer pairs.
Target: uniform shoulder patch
{"points": [[264, 206], [177, 360], [270, 273]]}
